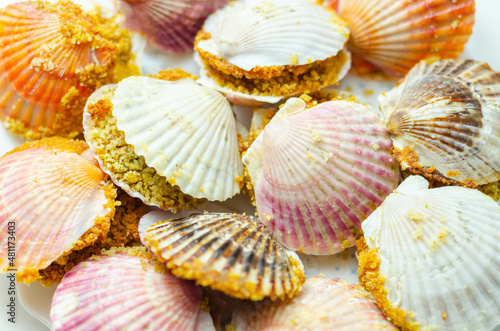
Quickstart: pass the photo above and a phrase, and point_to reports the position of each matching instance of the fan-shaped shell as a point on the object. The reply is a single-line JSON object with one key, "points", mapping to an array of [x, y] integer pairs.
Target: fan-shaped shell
{"points": [[54, 198], [250, 34], [397, 34], [156, 216], [51, 59], [444, 120], [125, 290], [170, 25], [323, 304], [231, 253], [431, 257], [319, 172], [185, 131]]}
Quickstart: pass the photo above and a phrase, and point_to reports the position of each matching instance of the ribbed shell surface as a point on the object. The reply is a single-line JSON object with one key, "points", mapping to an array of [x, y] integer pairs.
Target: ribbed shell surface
{"points": [[251, 34], [323, 304], [319, 172], [438, 251], [170, 25], [186, 132], [125, 292], [448, 112], [38, 68], [397, 34], [48, 199], [231, 253]]}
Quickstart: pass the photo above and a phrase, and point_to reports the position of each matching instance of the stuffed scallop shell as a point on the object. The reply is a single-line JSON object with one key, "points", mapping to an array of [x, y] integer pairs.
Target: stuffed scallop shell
{"points": [[431, 257], [323, 304], [444, 120], [54, 199], [264, 51], [318, 173], [124, 289], [397, 34], [231, 253], [170, 143], [52, 57]]}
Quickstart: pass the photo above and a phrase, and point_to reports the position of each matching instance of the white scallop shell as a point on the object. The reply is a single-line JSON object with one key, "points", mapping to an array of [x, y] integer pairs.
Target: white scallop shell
{"points": [[323, 304], [439, 254], [319, 172], [273, 33], [184, 131], [49, 198], [449, 113], [124, 292], [254, 100]]}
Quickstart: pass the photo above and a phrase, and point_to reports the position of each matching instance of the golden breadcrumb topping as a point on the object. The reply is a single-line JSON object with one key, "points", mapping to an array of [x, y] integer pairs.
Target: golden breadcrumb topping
{"points": [[492, 190], [100, 53], [62, 144], [322, 73], [371, 279], [408, 160], [129, 168], [364, 69], [173, 74], [123, 232], [135, 251]]}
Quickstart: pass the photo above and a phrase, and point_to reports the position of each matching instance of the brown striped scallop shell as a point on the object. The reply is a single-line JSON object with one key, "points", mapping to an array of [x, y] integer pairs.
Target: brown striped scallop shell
{"points": [[444, 120], [231, 253]]}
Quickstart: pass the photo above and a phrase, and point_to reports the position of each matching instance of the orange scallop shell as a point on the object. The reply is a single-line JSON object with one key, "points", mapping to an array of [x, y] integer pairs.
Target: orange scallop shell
{"points": [[396, 34], [51, 59]]}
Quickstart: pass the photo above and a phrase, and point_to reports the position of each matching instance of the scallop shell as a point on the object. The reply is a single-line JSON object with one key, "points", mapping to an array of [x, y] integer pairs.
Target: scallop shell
{"points": [[185, 131], [431, 257], [323, 304], [126, 290], [156, 216], [52, 193], [231, 253], [302, 32], [319, 172], [446, 115], [44, 76], [169, 25], [395, 35]]}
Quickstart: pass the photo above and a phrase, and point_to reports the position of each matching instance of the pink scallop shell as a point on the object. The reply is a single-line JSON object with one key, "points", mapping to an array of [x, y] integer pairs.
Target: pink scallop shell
{"points": [[120, 292], [48, 200], [318, 173], [170, 25], [323, 304]]}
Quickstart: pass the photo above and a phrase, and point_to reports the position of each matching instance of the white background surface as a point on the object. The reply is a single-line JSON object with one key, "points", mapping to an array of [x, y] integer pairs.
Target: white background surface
{"points": [[484, 45]]}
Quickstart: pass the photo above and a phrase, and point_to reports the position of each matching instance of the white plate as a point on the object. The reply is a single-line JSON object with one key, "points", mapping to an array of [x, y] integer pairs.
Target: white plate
{"points": [[484, 45]]}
